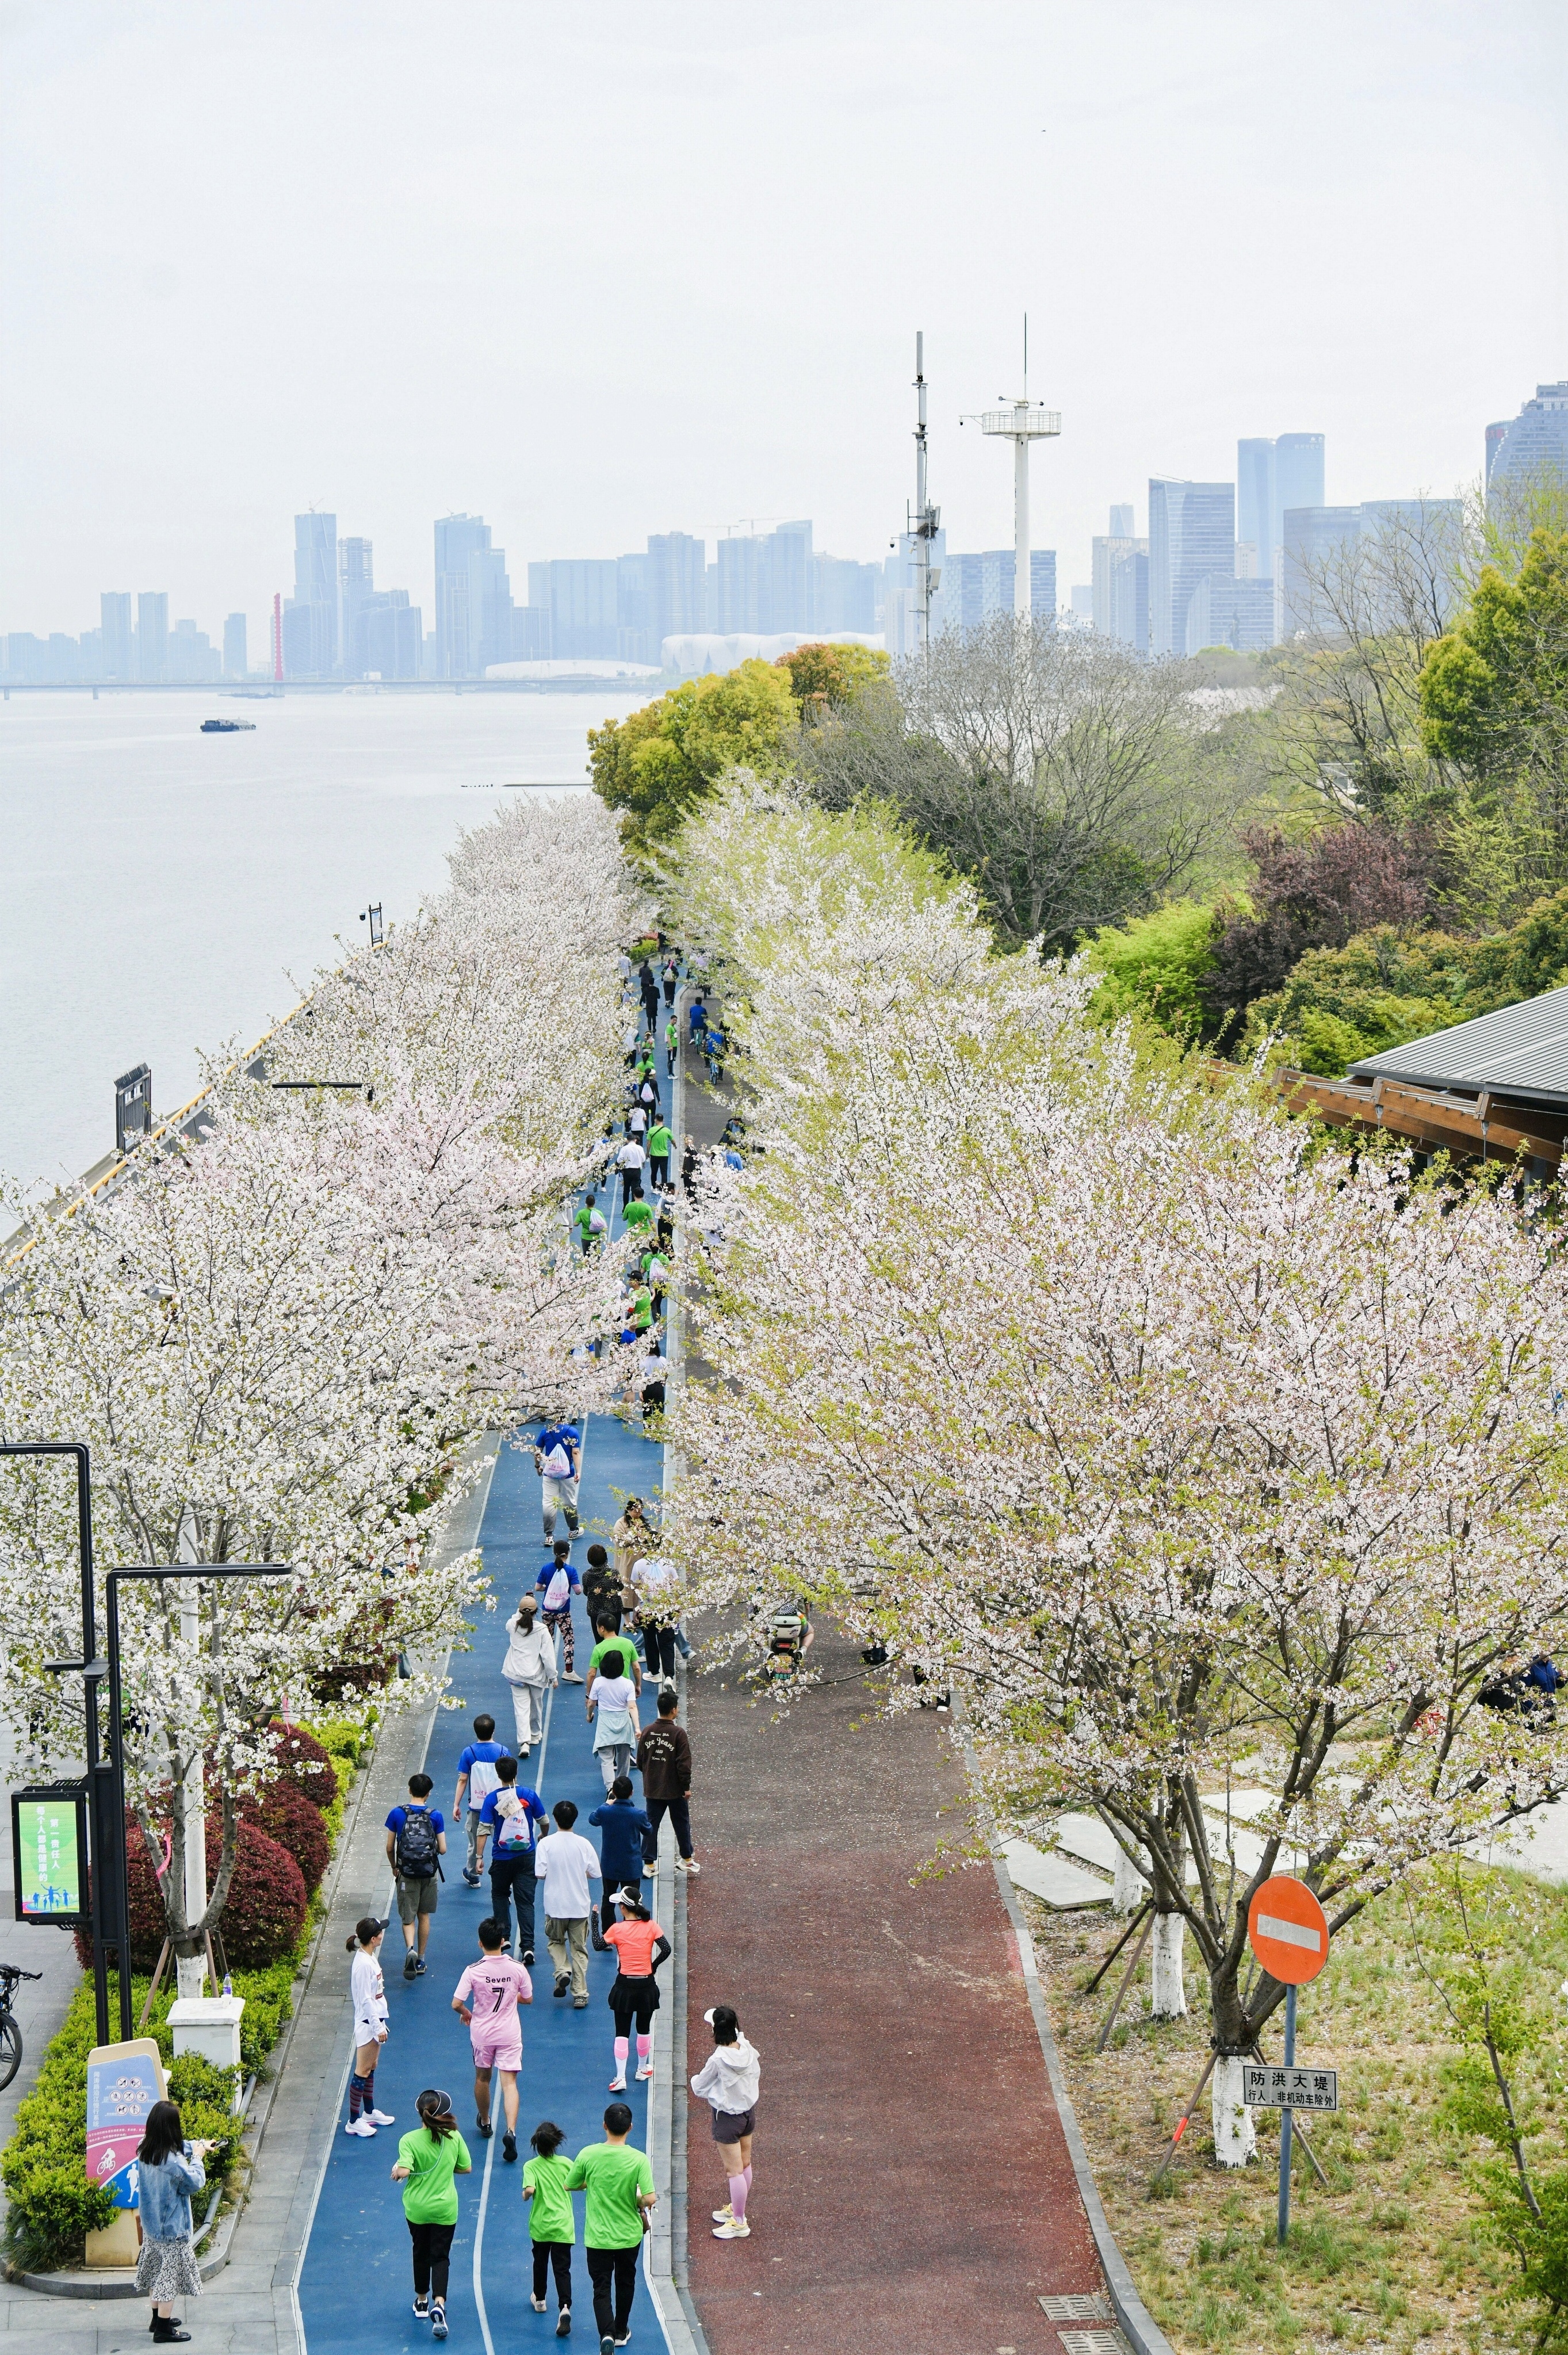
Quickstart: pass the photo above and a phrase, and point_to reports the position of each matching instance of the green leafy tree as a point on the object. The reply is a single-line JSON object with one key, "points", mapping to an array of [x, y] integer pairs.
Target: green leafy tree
{"points": [[1157, 965], [825, 678], [659, 764]]}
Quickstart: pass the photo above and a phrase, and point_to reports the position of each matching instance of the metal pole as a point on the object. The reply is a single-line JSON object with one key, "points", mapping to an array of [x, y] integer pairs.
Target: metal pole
{"points": [[1022, 597], [1284, 2122]]}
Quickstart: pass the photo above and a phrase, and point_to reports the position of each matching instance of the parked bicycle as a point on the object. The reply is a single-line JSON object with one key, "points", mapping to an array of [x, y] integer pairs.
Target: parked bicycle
{"points": [[10, 2034]]}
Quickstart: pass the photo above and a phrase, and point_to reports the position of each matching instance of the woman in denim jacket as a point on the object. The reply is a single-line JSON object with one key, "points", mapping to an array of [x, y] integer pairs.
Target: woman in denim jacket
{"points": [[170, 2169]]}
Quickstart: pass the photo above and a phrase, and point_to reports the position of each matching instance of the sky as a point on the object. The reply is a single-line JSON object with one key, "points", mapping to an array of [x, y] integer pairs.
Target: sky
{"points": [[597, 273]]}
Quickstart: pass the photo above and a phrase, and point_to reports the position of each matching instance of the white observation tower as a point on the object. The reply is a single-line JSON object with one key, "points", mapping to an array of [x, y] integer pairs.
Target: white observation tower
{"points": [[1021, 423]]}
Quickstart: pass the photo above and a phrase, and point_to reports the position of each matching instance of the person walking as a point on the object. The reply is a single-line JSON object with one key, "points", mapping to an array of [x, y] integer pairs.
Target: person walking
{"points": [[639, 1946], [629, 1161], [429, 2159], [619, 2187], [656, 1579], [566, 1863], [660, 1146], [728, 2081], [614, 1646], [672, 1042], [689, 1167], [671, 979], [530, 1668], [558, 1460], [622, 1826], [557, 1582], [512, 1810], [367, 1993], [601, 1590], [631, 1537], [589, 1224], [476, 1778], [169, 2170], [611, 1705], [485, 2000], [552, 2227], [416, 1842], [664, 1761]]}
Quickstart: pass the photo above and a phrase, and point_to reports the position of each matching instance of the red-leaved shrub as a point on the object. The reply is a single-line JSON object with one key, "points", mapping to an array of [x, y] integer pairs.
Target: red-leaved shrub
{"points": [[282, 1811], [261, 1922], [302, 1762]]}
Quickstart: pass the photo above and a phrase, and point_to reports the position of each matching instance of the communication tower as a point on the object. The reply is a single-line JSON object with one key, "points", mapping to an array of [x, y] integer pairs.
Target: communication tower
{"points": [[1022, 422]]}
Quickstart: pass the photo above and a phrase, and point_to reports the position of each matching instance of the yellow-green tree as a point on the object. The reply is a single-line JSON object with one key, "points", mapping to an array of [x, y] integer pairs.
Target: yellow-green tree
{"points": [[825, 678], [659, 764]]}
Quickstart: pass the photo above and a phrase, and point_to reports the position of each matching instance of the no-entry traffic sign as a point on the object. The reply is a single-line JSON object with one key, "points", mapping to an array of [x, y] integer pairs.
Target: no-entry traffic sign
{"points": [[1288, 1930]]}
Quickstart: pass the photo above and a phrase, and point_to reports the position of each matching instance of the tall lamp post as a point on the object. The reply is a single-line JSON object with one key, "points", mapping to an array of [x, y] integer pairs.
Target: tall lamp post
{"points": [[115, 1579], [105, 1852]]}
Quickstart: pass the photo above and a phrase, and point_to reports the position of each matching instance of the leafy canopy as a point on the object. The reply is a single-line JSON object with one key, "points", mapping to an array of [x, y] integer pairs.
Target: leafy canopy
{"points": [[660, 763]]}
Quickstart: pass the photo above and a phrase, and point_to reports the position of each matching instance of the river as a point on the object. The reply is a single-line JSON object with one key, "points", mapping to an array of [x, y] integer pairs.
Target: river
{"points": [[164, 891]]}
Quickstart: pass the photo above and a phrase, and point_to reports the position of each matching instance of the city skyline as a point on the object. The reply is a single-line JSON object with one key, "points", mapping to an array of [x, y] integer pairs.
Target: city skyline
{"points": [[176, 377]]}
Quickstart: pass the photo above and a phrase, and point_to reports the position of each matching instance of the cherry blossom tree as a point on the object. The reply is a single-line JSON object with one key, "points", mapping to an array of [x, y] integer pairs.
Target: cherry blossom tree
{"points": [[1185, 1449]]}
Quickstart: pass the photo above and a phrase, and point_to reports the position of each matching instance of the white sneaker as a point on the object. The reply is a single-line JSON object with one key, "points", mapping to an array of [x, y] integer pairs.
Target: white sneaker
{"points": [[687, 1864], [725, 2215], [537, 2303], [617, 2084], [732, 2231], [361, 2126], [381, 2117], [644, 2072]]}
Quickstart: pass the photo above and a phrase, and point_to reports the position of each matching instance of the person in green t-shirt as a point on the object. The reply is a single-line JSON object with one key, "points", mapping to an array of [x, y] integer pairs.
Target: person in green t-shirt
{"points": [[619, 2187], [428, 2159], [602, 1661], [642, 1313], [638, 1214], [551, 2225], [659, 1144]]}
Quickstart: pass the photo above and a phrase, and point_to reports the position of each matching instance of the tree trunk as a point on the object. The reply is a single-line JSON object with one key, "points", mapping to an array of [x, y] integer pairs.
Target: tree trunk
{"points": [[1235, 2137], [1168, 2000], [1129, 1888]]}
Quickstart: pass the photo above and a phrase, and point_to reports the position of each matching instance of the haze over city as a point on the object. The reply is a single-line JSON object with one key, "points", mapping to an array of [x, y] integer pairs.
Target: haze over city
{"points": [[599, 283]]}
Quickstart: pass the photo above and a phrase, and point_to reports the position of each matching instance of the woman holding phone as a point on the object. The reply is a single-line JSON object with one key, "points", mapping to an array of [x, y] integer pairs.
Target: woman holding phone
{"points": [[169, 2169]]}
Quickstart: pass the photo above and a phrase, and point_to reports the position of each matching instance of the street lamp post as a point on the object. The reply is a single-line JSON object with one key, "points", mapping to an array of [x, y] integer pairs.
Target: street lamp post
{"points": [[103, 1849], [112, 1586]]}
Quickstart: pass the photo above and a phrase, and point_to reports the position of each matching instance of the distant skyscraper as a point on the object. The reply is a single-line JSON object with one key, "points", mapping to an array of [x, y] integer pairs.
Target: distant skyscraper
{"points": [[310, 646], [1255, 502], [355, 586], [391, 634], [460, 622], [677, 586], [152, 636], [1315, 539], [1497, 435], [1235, 613], [582, 596], [1108, 555], [1122, 522], [118, 659], [1129, 595], [1297, 479], [844, 595], [192, 658], [1533, 443], [1191, 535], [235, 665]]}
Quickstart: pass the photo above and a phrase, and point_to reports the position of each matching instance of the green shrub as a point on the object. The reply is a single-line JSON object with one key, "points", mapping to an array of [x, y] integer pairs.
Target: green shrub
{"points": [[341, 1736], [1157, 965]]}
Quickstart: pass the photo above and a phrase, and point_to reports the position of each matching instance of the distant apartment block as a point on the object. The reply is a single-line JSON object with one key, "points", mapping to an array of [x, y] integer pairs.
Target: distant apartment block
{"points": [[1191, 537], [1534, 443], [152, 636], [116, 636], [974, 587]]}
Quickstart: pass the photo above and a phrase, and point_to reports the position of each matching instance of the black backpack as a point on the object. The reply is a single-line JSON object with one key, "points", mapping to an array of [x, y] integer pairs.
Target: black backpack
{"points": [[418, 1857]]}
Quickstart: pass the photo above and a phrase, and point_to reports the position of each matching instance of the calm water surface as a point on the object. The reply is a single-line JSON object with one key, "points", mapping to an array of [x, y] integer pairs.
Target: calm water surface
{"points": [[164, 890]]}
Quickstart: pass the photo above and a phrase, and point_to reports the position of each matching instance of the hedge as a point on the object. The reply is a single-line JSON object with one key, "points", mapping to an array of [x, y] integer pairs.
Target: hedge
{"points": [[261, 1921], [285, 1815]]}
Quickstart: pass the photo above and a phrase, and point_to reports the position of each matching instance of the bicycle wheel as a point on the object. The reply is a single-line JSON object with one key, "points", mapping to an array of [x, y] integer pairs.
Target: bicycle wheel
{"points": [[10, 2049]]}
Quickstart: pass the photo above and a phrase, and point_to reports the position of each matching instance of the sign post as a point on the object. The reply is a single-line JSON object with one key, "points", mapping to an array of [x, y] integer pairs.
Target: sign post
{"points": [[1288, 1932], [123, 2081]]}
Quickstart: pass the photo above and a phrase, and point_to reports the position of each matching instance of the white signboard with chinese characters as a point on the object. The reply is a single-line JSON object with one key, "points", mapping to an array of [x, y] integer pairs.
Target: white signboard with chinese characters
{"points": [[1290, 2089]]}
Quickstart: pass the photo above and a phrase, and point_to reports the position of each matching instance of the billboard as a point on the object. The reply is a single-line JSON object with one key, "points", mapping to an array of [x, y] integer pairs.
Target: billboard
{"points": [[49, 1847]]}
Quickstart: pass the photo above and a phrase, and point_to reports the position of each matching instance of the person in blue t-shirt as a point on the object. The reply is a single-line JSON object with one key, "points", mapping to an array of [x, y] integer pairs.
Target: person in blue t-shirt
{"points": [[476, 1778], [697, 1015], [558, 1582], [511, 1810], [623, 1826]]}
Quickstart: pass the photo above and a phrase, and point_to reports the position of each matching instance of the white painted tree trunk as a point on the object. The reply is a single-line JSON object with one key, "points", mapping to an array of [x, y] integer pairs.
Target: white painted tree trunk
{"points": [[1168, 2000], [190, 1971], [1129, 1888], [1235, 2137]]}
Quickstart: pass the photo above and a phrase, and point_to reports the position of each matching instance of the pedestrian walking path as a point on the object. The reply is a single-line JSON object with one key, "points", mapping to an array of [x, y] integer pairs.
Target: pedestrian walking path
{"points": [[355, 2283]]}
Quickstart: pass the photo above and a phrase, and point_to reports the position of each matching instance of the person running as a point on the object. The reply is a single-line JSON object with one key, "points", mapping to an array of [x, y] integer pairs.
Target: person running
{"points": [[728, 2081], [664, 1761], [623, 1827], [566, 1863], [367, 1993], [476, 1778], [601, 1590], [169, 2170], [639, 1946], [611, 1706], [619, 2187], [512, 1810], [429, 2161], [589, 1224], [416, 1842], [486, 1998], [530, 1668], [556, 1583], [552, 2227], [558, 1460]]}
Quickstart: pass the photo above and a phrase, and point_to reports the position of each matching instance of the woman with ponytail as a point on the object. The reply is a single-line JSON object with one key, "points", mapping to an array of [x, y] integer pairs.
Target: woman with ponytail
{"points": [[369, 1997]]}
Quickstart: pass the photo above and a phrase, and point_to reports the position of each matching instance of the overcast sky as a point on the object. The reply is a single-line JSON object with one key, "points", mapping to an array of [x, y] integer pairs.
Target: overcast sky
{"points": [[598, 272]]}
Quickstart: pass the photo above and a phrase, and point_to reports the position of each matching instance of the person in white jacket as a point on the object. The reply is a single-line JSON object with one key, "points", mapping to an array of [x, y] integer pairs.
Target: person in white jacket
{"points": [[530, 1669], [369, 1996], [728, 2082]]}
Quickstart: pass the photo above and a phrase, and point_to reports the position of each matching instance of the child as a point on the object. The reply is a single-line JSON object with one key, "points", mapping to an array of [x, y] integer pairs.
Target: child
{"points": [[477, 1776], [613, 1703], [486, 2000], [640, 1947], [369, 1994], [170, 2171], [551, 2225], [427, 2160]]}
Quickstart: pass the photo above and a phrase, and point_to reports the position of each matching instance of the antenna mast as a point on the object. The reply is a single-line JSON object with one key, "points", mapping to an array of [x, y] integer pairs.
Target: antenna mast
{"points": [[926, 518]]}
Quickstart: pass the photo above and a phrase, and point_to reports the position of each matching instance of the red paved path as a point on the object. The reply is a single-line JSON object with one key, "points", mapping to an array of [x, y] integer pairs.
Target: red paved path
{"points": [[913, 2190]]}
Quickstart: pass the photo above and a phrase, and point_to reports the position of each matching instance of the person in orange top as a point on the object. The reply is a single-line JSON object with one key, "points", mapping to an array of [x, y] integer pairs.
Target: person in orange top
{"points": [[640, 1946]]}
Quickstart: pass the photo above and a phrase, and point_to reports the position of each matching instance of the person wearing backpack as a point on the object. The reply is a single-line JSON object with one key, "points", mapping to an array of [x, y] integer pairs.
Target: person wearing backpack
{"points": [[512, 1810], [416, 1842], [476, 1778], [588, 1223], [558, 1457], [557, 1583]]}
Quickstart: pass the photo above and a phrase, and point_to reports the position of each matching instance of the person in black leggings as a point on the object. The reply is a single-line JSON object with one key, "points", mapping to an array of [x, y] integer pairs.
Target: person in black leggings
{"points": [[427, 2161], [640, 1947]]}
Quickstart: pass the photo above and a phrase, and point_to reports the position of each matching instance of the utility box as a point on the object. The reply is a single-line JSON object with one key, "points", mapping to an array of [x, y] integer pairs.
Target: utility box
{"points": [[209, 2024]]}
